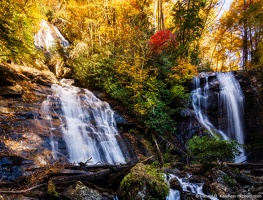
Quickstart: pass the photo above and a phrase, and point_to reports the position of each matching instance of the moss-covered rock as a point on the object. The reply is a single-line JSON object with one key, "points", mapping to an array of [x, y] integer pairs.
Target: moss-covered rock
{"points": [[144, 182]]}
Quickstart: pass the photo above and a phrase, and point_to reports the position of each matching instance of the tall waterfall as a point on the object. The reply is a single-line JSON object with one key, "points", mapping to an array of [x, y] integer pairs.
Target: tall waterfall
{"points": [[87, 123], [230, 104], [231, 96]]}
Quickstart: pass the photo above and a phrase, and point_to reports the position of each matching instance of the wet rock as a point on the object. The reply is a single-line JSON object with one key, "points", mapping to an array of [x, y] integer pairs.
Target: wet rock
{"points": [[9, 76], [201, 179], [81, 192], [4, 110], [175, 184], [11, 91], [28, 115], [119, 119], [220, 189], [246, 178], [187, 112], [258, 190], [13, 167], [173, 170]]}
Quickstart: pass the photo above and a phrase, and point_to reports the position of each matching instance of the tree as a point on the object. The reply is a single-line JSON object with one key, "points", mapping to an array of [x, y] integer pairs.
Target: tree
{"points": [[162, 40], [158, 15], [236, 37], [190, 19], [17, 25]]}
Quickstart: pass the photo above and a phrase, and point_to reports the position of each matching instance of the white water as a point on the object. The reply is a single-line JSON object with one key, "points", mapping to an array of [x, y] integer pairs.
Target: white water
{"points": [[230, 101], [231, 96], [48, 35], [173, 195], [199, 101], [88, 126], [187, 186]]}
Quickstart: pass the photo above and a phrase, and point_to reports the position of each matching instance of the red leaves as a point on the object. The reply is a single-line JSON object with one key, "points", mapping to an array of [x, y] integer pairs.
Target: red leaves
{"points": [[162, 40]]}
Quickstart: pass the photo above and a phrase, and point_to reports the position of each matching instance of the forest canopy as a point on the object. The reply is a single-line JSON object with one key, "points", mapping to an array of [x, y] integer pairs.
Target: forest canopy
{"points": [[142, 52]]}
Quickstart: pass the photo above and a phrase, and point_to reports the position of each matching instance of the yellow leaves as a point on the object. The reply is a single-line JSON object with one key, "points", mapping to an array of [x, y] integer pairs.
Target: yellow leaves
{"points": [[183, 71]]}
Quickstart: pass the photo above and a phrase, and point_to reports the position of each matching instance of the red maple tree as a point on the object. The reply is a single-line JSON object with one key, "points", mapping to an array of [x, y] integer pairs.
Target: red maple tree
{"points": [[162, 40]]}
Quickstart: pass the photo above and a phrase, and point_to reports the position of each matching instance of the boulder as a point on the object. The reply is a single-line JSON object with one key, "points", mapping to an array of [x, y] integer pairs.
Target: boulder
{"points": [[220, 189], [79, 191], [175, 184]]}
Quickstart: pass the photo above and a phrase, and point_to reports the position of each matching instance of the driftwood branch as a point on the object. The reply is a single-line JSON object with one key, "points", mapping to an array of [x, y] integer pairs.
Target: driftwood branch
{"points": [[23, 191], [160, 156]]}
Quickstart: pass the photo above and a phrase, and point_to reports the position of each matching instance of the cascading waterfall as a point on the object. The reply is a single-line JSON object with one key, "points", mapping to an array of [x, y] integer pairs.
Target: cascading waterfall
{"points": [[88, 126], [230, 101], [200, 97]]}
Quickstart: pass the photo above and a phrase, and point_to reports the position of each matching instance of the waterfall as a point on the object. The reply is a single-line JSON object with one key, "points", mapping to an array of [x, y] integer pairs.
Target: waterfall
{"points": [[48, 35], [87, 123], [200, 97], [231, 96], [230, 104]]}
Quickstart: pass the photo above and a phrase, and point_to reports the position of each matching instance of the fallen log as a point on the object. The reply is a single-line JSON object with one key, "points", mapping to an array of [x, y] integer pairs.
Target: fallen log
{"points": [[58, 172], [109, 177], [96, 178], [246, 165]]}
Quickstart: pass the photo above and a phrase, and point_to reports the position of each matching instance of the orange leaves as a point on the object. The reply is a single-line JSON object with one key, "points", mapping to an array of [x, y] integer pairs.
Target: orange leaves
{"points": [[183, 71], [162, 40]]}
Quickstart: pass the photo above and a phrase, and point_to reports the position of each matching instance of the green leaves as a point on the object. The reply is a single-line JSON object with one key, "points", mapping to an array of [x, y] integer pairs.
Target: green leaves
{"points": [[146, 181], [16, 25], [209, 149]]}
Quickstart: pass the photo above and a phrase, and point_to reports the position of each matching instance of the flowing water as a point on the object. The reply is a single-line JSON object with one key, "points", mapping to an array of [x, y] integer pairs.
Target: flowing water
{"points": [[87, 123], [187, 186], [230, 103], [48, 35]]}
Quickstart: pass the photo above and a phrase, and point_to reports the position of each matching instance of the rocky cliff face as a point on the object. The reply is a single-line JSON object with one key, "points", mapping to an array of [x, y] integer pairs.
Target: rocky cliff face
{"points": [[22, 90], [252, 89]]}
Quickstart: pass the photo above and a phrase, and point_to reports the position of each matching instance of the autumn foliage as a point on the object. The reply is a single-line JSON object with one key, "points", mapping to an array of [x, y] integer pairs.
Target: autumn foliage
{"points": [[162, 40]]}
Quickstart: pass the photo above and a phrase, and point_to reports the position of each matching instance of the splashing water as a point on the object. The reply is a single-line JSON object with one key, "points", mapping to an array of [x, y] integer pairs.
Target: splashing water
{"points": [[231, 101], [88, 126], [189, 187]]}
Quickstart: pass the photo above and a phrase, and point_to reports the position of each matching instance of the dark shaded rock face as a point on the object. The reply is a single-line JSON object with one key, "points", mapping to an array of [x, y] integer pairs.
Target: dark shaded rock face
{"points": [[253, 115], [24, 134]]}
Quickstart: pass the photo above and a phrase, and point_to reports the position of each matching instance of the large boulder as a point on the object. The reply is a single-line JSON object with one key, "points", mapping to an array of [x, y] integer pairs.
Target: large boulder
{"points": [[143, 182], [79, 191]]}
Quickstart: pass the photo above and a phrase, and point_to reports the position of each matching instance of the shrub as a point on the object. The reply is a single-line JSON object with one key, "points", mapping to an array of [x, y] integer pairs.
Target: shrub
{"points": [[209, 149]]}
